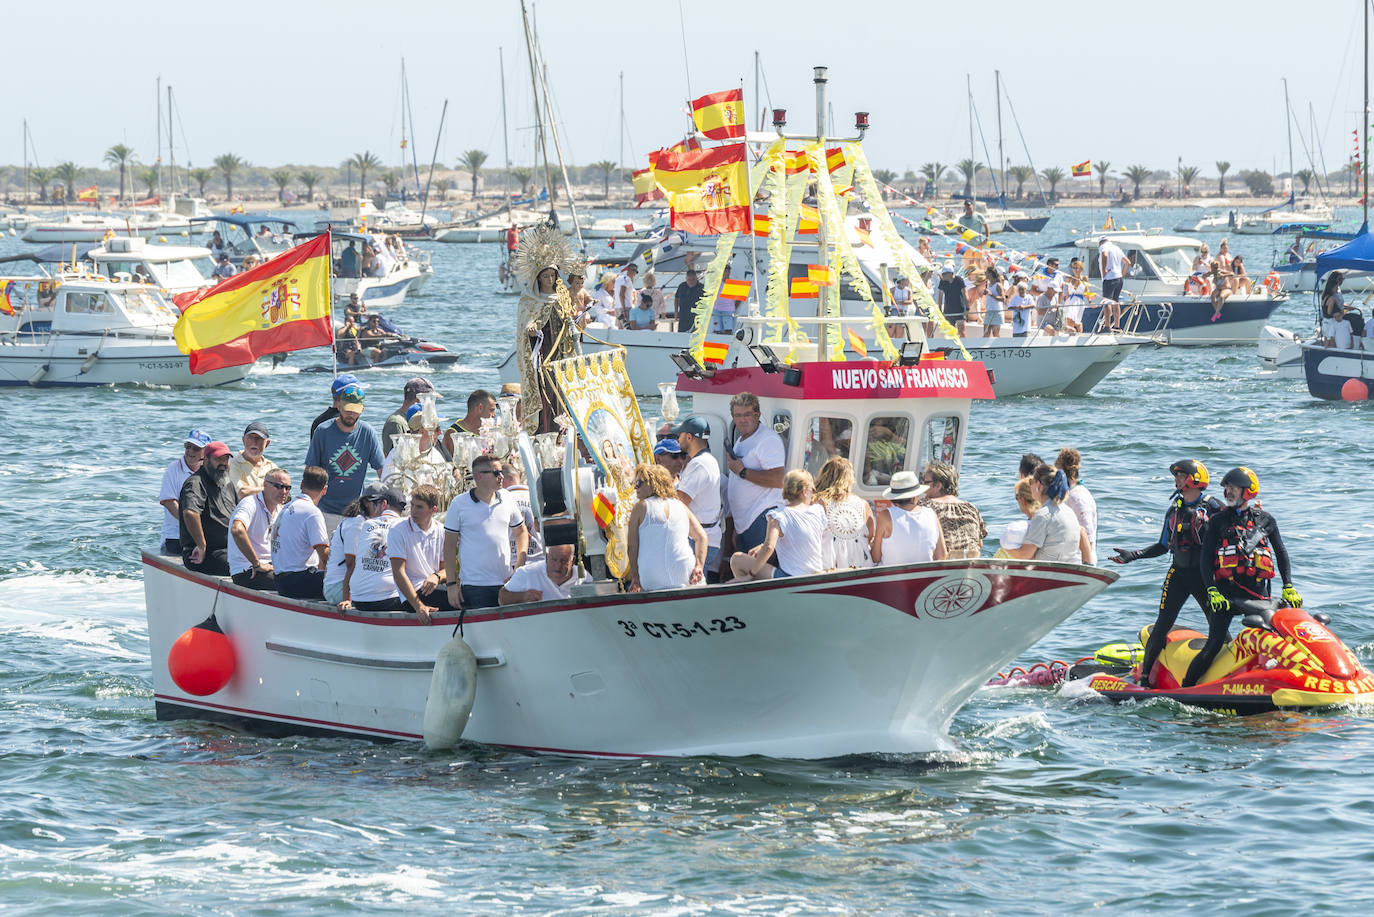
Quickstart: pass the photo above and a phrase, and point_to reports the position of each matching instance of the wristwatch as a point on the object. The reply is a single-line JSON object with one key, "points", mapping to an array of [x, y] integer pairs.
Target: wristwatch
{"points": [[743, 473]]}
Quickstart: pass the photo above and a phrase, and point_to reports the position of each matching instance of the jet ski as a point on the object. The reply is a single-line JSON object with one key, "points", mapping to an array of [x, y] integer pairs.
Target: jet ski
{"points": [[1284, 658]]}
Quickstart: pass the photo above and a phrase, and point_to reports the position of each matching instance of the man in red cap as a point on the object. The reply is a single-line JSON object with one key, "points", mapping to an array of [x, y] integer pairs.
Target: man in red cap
{"points": [[207, 503]]}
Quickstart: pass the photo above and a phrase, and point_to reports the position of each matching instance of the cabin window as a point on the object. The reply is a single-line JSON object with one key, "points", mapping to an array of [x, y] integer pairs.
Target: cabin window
{"points": [[86, 303], [111, 268], [885, 449], [782, 425], [827, 437], [941, 440], [1141, 267]]}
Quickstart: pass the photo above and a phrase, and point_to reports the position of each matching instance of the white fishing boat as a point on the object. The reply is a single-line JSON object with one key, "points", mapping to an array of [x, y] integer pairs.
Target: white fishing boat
{"points": [[77, 227], [175, 268], [392, 278], [84, 330]]}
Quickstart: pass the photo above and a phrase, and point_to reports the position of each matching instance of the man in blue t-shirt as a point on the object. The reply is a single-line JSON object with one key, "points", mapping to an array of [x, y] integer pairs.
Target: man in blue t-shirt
{"points": [[344, 448]]}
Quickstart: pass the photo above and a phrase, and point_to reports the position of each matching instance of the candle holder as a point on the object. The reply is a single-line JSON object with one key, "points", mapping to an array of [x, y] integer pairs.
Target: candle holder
{"points": [[548, 449], [667, 391]]}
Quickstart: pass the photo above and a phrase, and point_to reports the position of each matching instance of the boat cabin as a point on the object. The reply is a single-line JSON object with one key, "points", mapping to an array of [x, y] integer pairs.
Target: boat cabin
{"points": [[265, 237], [176, 268], [1159, 263], [81, 304]]}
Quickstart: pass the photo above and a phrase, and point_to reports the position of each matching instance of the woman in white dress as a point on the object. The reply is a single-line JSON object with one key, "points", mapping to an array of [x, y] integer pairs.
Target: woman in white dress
{"points": [[848, 538], [1079, 498], [906, 533], [1054, 533], [667, 545], [793, 538]]}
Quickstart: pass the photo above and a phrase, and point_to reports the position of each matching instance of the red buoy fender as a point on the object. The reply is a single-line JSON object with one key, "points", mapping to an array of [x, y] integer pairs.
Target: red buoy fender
{"points": [[201, 661]]}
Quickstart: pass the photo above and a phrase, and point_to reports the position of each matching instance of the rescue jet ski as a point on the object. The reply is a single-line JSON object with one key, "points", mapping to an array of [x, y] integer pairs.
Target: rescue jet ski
{"points": [[1284, 658]]}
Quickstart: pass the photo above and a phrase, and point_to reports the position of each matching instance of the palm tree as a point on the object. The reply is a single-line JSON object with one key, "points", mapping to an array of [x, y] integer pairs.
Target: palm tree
{"points": [[1021, 175], [68, 173], [281, 178], [41, 177], [1102, 166], [523, 175], [472, 163], [1222, 168], [969, 169], [121, 157], [390, 180], [310, 179], [364, 162], [201, 177], [1305, 176], [932, 172], [884, 176], [149, 178], [1052, 176], [605, 167], [228, 164], [1187, 175], [1137, 174]]}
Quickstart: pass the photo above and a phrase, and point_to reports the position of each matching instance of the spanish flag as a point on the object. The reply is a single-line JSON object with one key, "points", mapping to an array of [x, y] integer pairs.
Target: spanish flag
{"points": [[276, 307], [91, 194], [1083, 170], [820, 275], [856, 343], [686, 145], [805, 288], [737, 290], [809, 223], [713, 353], [763, 224], [864, 237], [646, 189], [708, 190], [796, 161], [603, 507], [6, 307], [834, 159], [720, 115]]}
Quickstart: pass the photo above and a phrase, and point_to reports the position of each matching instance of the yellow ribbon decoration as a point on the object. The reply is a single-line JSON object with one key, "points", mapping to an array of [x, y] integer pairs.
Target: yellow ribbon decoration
{"points": [[863, 180]]}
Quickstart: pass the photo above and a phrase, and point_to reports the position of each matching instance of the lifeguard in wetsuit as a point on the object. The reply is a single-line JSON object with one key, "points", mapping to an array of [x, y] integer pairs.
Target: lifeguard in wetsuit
{"points": [[1184, 524], [1241, 552]]}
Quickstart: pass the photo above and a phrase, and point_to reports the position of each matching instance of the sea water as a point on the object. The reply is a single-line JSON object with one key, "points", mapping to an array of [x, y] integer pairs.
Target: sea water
{"points": [[1055, 802]]}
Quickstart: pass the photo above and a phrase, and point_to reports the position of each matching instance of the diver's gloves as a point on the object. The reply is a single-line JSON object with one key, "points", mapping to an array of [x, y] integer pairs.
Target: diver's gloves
{"points": [[1125, 555], [1290, 595], [1218, 601]]}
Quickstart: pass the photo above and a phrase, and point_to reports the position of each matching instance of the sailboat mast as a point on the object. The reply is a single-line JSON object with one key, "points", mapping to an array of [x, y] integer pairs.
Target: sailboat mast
{"points": [[171, 152], [410, 117], [505, 132], [758, 101], [1364, 123], [424, 196], [26, 162], [538, 117], [1001, 157], [1288, 120], [972, 156], [159, 136], [620, 160]]}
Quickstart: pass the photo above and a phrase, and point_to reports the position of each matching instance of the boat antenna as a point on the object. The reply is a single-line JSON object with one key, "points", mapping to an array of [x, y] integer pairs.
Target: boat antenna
{"points": [[424, 197]]}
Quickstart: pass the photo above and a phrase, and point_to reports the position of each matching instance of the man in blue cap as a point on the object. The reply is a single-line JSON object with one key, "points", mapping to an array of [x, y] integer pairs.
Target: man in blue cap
{"points": [[698, 486], [669, 454], [345, 448], [173, 477], [341, 382]]}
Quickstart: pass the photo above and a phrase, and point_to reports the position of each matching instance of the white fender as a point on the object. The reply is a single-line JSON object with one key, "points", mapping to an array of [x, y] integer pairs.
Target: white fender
{"points": [[452, 689]]}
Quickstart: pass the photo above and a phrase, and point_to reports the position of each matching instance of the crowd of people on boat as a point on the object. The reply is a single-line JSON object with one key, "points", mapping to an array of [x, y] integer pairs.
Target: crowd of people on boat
{"points": [[414, 542]]}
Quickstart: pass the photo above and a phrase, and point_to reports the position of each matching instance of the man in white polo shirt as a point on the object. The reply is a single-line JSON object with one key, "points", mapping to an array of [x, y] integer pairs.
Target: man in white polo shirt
{"points": [[372, 585], [193, 453], [756, 469], [698, 486], [477, 543], [543, 580], [300, 542], [250, 532], [414, 546]]}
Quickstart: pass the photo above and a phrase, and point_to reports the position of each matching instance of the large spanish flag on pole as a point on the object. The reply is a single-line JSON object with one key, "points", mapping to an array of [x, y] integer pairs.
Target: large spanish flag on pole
{"points": [[720, 115], [278, 306], [708, 190]]}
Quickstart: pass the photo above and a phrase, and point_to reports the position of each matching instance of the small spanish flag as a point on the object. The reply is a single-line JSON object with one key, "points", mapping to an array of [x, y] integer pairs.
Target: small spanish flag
{"points": [[821, 275], [796, 161], [809, 224], [805, 288], [856, 343], [842, 190], [864, 237], [6, 307], [720, 115], [91, 194], [686, 145], [763, 224], [834, 159], [1084, 169], [603, 507], [713, 353], [737, 290]]}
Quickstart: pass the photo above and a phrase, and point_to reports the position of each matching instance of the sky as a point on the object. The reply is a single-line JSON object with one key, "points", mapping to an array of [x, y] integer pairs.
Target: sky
{"points": [[279, 83]]}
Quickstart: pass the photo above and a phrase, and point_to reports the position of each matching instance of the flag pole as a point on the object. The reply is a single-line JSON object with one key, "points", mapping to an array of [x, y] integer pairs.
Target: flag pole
{"points": [[754, 310], [329, 286]]}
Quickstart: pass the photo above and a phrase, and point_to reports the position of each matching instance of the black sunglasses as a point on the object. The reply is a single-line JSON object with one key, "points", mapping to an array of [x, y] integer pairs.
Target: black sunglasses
{"points": [[286, 487]]}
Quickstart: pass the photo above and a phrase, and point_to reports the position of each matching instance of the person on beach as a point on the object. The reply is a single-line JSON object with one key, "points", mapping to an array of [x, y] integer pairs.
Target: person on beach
{"points": [[1184, 524]]}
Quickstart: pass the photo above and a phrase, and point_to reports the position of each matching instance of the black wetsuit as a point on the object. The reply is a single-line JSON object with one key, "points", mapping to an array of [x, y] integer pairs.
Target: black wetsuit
{"points": [[1184, 524], [1243, 584]]}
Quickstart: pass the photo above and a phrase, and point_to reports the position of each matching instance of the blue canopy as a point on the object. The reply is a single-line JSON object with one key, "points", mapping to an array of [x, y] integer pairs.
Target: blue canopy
{"points": [[1355, 255]]}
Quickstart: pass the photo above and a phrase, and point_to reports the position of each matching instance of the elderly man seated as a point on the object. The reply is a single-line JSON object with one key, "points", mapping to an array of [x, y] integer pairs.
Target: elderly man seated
{"points": [[542, 580]]}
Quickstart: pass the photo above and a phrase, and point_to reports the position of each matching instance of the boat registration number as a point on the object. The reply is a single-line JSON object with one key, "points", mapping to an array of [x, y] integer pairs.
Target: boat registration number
{"points": [[159, 364], [670, 629], [1009, 353]]}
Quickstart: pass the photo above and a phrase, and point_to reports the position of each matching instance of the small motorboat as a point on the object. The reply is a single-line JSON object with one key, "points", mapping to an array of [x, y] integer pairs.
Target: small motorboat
{"points": [[394, 353], [1284, 658]]}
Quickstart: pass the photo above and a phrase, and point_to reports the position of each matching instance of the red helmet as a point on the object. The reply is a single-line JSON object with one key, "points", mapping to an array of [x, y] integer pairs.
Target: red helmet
{"points": [[1243, 479], [1196, 472]]}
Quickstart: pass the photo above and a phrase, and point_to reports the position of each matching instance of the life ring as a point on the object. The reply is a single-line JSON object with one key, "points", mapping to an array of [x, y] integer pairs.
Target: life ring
{"points": [[1273, 283], [1197, 285]]}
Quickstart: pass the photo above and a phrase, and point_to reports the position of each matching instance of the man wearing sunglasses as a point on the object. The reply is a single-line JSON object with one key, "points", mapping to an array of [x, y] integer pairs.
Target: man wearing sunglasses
{"points": [[477, 538], [345, 449], [300, 543], [250, 532]]}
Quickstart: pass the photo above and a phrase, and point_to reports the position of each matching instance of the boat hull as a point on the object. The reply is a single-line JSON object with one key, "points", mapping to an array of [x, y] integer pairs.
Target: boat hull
{"points": [[88, 361], [853, 662], [1186, 321], [1327, 369]]}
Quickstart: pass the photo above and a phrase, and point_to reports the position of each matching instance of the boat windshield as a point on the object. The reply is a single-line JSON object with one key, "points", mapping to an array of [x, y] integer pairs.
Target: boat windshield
{"points": [[144, 306], [188, 272], [1174, 263]]}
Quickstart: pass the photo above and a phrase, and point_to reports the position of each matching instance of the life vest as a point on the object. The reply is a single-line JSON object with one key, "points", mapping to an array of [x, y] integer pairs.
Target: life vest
{"points": [[1243, 549], [1185, 525], [1273, 283], [1197, 285]]}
